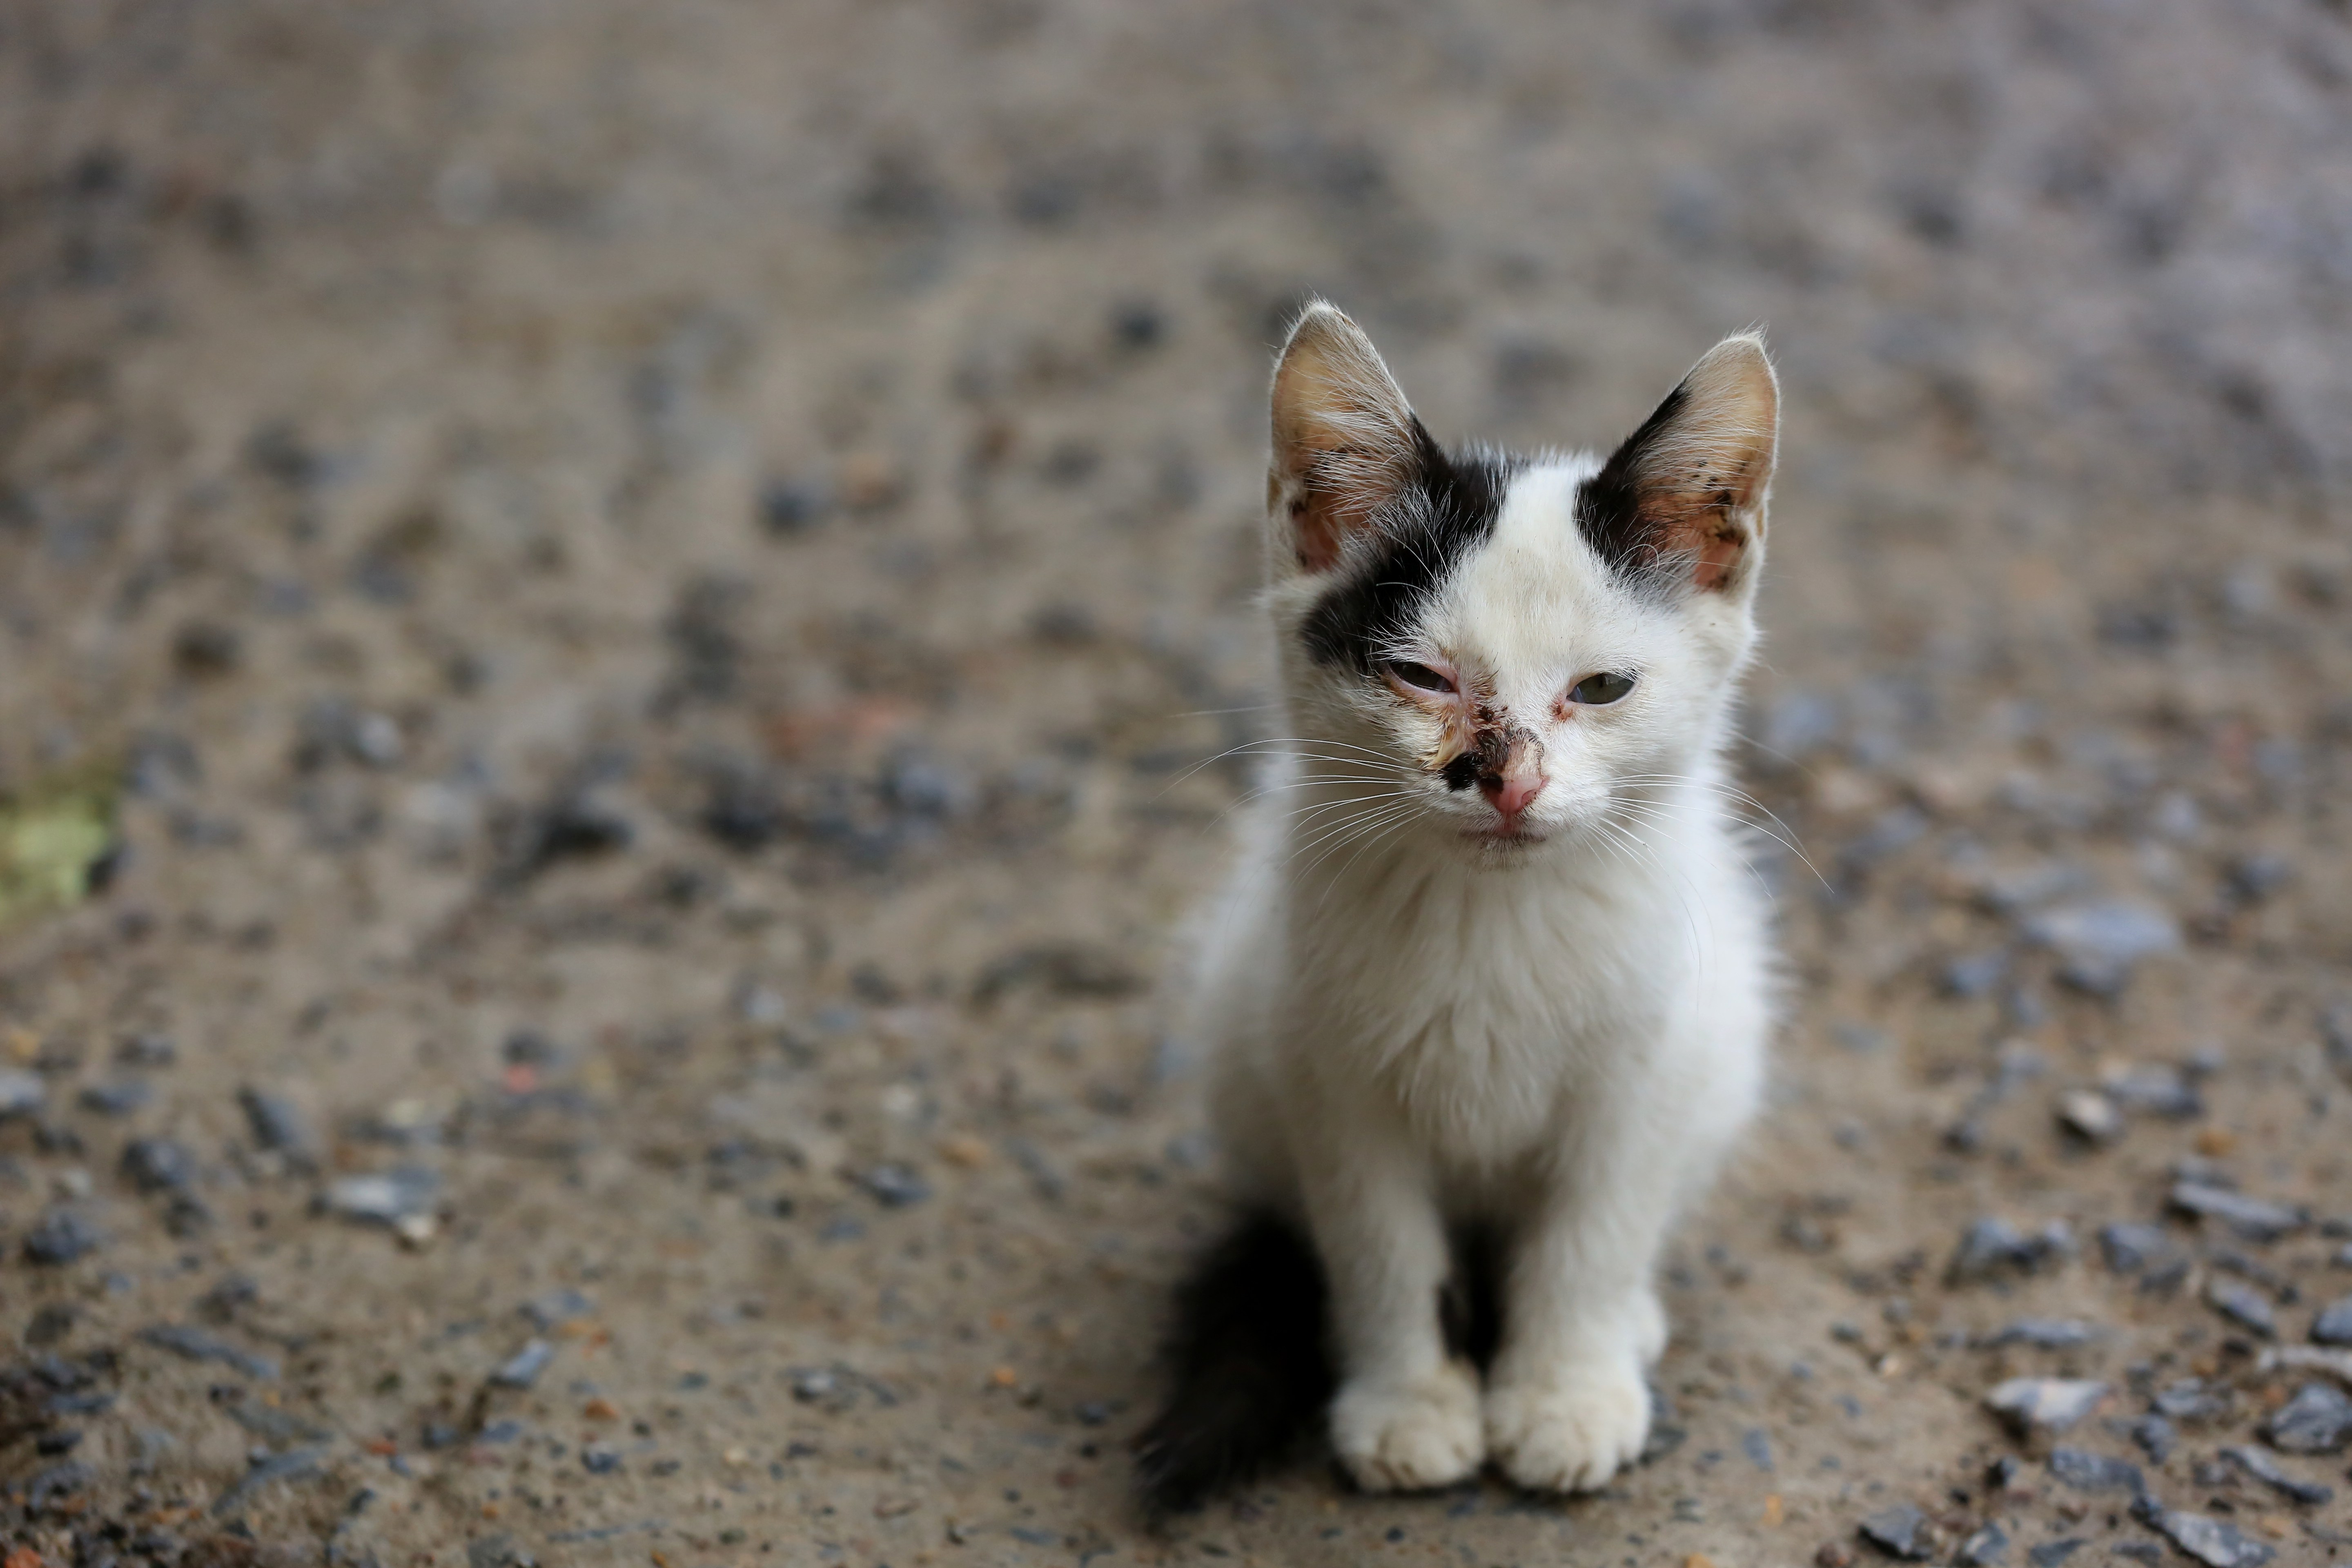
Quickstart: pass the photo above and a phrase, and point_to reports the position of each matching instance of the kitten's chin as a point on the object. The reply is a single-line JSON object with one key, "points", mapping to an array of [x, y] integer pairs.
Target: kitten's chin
{"points": [[1506, 847]]}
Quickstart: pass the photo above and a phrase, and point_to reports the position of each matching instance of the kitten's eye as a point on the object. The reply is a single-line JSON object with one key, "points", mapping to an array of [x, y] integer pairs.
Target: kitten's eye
{"points": [[1600, 691], [1419, 677]]}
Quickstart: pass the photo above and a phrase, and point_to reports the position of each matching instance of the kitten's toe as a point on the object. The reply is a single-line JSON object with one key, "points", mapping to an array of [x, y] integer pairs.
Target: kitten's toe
{"points": [[1571, 1429], [1406, 1436]]}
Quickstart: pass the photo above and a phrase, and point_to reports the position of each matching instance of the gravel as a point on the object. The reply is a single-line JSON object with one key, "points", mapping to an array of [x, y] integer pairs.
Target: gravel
{"points": [[2089, 1472], [2100, 944], [2034, 1405], [1902, 1532], [2252, 1218], [21, 1093], [158, 1164], [2209, 1541], [2266, 1469], [276, 1123], [384, 1198], [61, 1236], [2242, 1305], [194, 1345], [522, 1369], [2317, 1420], [2333, 1324], [1992, 1247]]}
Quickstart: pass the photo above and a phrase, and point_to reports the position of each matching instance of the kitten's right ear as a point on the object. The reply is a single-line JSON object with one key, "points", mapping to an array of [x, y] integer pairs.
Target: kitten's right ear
{"points": [[1345, 441]]}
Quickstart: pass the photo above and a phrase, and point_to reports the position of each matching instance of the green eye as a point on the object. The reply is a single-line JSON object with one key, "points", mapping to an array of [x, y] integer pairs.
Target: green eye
{"points": [[1600, 691]]}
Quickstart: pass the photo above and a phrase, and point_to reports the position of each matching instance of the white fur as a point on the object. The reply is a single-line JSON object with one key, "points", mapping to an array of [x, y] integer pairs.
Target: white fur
{"points": [[1412, 1028]]}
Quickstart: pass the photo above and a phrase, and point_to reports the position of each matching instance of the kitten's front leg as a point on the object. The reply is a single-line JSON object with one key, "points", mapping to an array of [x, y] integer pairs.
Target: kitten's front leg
{"points": [[1407, 1415], [1567, 1403]]}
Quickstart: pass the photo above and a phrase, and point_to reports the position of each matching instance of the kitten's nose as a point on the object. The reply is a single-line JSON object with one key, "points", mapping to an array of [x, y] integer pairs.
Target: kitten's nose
{"points": [[1513, 788]]}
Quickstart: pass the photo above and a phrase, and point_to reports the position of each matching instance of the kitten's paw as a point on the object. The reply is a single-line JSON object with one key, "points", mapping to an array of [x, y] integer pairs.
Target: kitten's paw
{"points": [[1410, 1435], [1572, 1427], [1650, 1329]]}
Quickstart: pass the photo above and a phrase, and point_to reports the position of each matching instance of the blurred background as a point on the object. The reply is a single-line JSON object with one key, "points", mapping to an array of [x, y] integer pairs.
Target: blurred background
{"points": [[618, 630]]}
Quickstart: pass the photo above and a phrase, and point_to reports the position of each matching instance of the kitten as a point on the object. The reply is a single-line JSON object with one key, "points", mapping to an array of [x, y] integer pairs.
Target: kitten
{"points": [[1493, 965]]}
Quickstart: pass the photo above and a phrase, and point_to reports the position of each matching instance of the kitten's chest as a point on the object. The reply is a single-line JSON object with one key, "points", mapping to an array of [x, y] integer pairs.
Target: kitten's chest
{"points": [[1484, 1029]]}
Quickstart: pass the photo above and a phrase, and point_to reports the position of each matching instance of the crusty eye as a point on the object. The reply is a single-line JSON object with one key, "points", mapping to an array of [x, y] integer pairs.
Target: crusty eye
{"points": [[1419, 677], [1600, 691]]}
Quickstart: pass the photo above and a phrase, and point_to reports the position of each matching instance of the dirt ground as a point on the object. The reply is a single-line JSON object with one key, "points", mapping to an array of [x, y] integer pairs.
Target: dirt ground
{"points": [[649, 598]]}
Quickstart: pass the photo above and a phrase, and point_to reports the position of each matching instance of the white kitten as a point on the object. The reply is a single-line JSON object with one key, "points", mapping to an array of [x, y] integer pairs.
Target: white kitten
{"points": [[1493, 962]]}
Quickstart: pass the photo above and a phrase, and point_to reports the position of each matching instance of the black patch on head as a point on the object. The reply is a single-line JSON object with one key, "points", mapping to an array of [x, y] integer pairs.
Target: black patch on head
{"points": [[1462, 771], [1445, 509], [1609, 504]]}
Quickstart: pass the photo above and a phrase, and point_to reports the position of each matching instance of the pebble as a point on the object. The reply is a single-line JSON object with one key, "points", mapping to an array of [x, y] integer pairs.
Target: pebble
{"points": [[188, 1340], [146, 1050], [2043, 1333], [2242, 1305], [895, 1185], [2089, 1472], [21, 1093], [1988, 1548], [2090, 1115], [276, 1123], [1992, 1246], [2190, 1400], [2154, 1436], [2252, 1218], [2333, 1326], [384, 1198], [2266, 1469], [1902, 1531], [2099, 945], [2052, 1552], [522, 1369], [2210, 1542], [125, 1098], [2317, 1420], [2128, 1248], [158, 1164], [60, 1236], [2031, 1404], [2156, 1091], [295, 1464], [598, 1461]]}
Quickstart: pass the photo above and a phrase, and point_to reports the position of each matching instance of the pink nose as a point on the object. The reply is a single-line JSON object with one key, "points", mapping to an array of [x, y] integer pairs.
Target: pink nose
{"points": [[1510, 793]]}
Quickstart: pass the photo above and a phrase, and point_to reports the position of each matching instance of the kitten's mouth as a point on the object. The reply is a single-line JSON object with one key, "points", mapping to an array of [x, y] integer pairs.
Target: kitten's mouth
{"points": [[1515, 835]]}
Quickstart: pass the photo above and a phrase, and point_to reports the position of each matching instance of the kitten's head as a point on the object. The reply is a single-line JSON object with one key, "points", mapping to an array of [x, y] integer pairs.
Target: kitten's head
{"points": [[1505, 651]]}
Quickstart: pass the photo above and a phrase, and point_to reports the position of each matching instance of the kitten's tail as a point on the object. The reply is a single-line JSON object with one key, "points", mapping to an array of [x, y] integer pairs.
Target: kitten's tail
{"points": [[1247, 1356]]}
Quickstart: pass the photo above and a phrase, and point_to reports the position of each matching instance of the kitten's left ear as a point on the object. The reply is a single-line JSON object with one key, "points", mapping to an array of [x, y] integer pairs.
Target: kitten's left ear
{"points": [[1686, 494], [1345, 440]]}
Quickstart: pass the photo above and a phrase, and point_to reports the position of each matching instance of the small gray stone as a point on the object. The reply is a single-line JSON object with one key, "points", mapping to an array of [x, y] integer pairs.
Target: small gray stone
{"points": [[383, 1198], [2099, 945], [2089, 1472], [60, 1236], [894, 1186], [123, 1099], [2090, 1116], [296, 1464], [275, 1123], [1992, 1246], [2128, 1248], [1902, 1531], [598, 1461], [185, 1340], [2266, 1469], [2242, 1305], [2333, 1326], [158, 1164], [21, 1093], [2154, 1436], [2317, 1420], [2156, 1091], [2031, 1404], [2252, 1218], [2043, 1333], [1988, 1548], [2050, 1553], [2190, 1400], [2210, 1542], [522, 1369]]}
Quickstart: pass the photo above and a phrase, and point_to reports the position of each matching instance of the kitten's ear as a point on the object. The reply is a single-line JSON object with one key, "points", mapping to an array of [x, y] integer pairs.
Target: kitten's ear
{"points": [[1345, 441], [1686, 494]]}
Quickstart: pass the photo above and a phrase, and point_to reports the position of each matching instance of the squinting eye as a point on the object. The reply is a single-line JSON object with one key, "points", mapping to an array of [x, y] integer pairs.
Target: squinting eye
{"points": [[1599, 691], [1419, 676]]}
